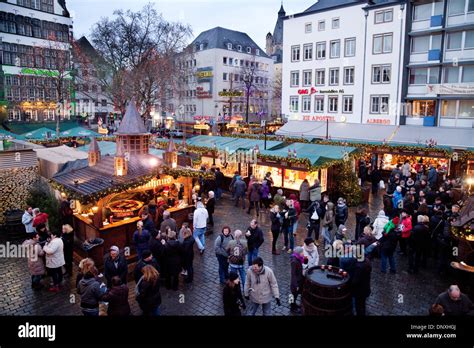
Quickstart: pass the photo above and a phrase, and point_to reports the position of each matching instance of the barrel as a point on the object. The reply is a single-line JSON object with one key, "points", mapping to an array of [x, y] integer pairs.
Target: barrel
{"points": [[326, 296], [15, 230]]}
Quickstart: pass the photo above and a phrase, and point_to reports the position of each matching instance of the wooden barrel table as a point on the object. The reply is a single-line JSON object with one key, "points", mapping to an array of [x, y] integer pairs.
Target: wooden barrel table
{"points": [[326, 292]]}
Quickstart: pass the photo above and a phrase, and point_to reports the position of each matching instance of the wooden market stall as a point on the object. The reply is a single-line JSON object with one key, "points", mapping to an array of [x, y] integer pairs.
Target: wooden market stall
{"points": [[110, 192]]}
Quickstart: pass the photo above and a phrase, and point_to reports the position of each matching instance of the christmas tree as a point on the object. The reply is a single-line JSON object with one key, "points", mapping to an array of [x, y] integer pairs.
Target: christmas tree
{"points": [[347, 184]]}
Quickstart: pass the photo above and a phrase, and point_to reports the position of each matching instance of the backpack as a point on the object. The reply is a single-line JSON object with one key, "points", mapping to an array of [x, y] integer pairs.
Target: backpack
{"points": [[236, 256]]}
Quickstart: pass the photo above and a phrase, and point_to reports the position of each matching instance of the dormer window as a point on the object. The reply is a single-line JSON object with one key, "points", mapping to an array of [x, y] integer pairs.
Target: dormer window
{"points": [[249, 50], [239, 48], [257, 52], [229, 46], [201, 47]]}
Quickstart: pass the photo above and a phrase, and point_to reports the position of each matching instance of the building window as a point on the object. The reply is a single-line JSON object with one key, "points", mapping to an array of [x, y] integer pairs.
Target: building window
{"points": [[454, 41], [422, 12], [466, 108], [319, 103], [379, 104], [382, 43], [335, 48], [381, 73], [239, 48], [306, 101], [308, 28], [225, 76], [321, 25], [332, 103], [224, 60], [349, 76], [333, 76], [257, 52], [469, 41], [249, 50], [294, 107], [467, 73], [307, 51], [457, 7], [320, 77], [295, 79], [420, 44], [335, 23], [349, 47], [347, 104], [321, 50], [295, 53], [418, 76], [229, 46], [307, 78], [451, 75], [383, 16], [448, 108]]}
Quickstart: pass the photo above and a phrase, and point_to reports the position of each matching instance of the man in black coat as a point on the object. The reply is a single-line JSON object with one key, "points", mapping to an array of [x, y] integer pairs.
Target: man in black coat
{"points": [[219, 183], [146, 260], [419, 244], [148, 223], [210, 206], [115, 264], [362, 172], [361, 285], [255, 239]]}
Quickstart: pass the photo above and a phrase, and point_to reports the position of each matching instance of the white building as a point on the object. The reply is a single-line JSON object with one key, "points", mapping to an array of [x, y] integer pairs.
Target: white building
{"points": [[32, 33], [343, 62], [215, 90]]}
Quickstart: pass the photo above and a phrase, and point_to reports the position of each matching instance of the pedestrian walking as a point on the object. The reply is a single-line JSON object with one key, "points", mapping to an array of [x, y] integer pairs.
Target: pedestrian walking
{"points": [[255, 239], [276, 219], [315, 214], [297, 260], [147, 292], [219, 183], [187, 255], [237, 250], [240, 188], [54, 250], [265, 195], [375, 179], [232, 296], [68, 240], [342, 212], [361, 285], [221, 249], [172, 261], [200, 217], [35, 260], [210, 206], [328, 224], [304, 194], [254, 197], [91, 291]]}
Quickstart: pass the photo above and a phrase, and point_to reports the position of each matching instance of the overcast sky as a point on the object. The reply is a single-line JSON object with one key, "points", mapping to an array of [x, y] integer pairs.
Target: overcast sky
{"points": [[255, 17]]}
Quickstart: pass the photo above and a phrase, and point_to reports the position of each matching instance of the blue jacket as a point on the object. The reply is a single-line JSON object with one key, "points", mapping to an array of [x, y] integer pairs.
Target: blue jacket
{"points": [[141, 241], [397, 197], [432, 176], [240, 187]]}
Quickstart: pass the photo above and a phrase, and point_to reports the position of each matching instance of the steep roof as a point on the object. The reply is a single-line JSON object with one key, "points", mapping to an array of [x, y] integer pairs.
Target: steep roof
{"points": [[132, 123], [219, 37], [327, 4], [171, 146], [62, 3], [278, 31], [94, 147]]}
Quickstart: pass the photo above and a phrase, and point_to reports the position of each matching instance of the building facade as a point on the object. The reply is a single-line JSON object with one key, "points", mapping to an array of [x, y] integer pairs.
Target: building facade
{"points": [[343, 62], [35, 59], [225, 66], [439, 83]]}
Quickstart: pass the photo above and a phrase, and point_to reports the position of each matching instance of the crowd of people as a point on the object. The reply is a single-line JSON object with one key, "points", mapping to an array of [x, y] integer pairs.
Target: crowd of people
{"points": [[416, 218]]}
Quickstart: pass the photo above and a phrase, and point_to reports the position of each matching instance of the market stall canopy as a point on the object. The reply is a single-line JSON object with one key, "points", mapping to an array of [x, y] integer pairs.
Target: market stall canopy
{"points": [[317, 154], [52, 159], [79, 132], [229, 143], [109, 148], [455, 138], [40, 133], [5, 133]]}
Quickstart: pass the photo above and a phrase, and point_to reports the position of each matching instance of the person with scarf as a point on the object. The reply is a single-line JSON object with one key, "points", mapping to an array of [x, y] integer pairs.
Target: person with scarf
{"points": [[310, 252], [297, 260], [342, 212], [260, 287]]}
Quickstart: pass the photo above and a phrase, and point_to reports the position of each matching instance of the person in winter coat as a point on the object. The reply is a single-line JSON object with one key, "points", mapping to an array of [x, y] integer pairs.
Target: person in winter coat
{"points": [[187, 255], [388, 244], [432, 177], [168, 222], [315, 215], [141, 239], [39, 218], [232, 185], [379, 223], [342, 234], [35, 260], [148, 292], [368, 240], [455, 303], [279, 199], [418, 244], [406, 170], [276, 219], [342, 212], [289, 219], [117, 298], [157, 248], [254, 197], [54, 250], [328, 223], [115, 265], [220, 247], [297, 206], [27, 220], [304, 194], [200, 217], [210, 207], [375, 178], [297, 260], [147, 259], [315, 191], [172, 261], [260, 287], [240, 187], [361, 285], [362, 172], [237, 250], [91, 291], [405, 227], [148, 223], [85, 265], [310, 252], [232, 296], [397, 199], [68, 240], [219, 183], [436, 227], [362, 220], [265, 195], [255, 239]]}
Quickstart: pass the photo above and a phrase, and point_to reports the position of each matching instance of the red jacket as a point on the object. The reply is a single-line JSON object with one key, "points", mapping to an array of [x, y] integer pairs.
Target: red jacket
{"points": [[406, 222], [41, 218]]}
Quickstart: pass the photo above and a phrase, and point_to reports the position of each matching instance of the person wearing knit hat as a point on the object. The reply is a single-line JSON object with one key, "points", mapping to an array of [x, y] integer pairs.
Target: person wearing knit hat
{"points": [[297, 260], [232, 297]]}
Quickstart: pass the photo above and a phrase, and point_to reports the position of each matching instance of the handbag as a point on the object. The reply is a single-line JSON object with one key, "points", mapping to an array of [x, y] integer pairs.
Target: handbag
{"points": [[382, 185], [315, 215]]}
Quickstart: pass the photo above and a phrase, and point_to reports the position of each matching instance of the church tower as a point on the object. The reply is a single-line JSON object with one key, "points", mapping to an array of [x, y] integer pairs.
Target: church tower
{"points": [[94, 152]]}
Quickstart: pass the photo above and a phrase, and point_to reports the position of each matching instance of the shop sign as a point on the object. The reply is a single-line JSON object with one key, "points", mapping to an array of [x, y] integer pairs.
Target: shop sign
{"points": [[231, 94], [312, 90], [39, 72], [201, 126], [202, 94], [378, 121], [204, 74], [451, 89], [298, 165], [319, 118], [200, 118]]}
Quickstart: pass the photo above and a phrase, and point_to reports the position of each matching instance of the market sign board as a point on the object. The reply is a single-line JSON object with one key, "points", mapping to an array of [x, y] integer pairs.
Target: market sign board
{"points": [[451, 89], [231, 94]]}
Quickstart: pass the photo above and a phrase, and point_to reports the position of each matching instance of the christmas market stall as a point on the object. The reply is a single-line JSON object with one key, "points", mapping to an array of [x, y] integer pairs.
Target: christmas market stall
{"points": [[109, 193]]}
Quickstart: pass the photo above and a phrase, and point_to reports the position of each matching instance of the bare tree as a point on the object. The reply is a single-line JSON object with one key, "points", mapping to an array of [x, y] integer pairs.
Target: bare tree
{"points": [[277, 91]]}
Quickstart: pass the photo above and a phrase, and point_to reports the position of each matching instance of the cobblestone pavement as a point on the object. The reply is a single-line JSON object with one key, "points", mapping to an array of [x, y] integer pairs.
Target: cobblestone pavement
{"points": [[399, 294]]}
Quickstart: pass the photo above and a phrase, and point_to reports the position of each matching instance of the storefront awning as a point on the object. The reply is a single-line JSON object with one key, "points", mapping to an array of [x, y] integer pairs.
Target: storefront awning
{"points": [[230, 144]]}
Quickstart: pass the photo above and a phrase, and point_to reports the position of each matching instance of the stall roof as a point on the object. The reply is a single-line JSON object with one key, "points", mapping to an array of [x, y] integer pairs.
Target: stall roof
{"points": [[40, 133], [60, 154], [317, 154], [459, 138], [4, 132], [109, 148], [79, 132], [229, 143]]}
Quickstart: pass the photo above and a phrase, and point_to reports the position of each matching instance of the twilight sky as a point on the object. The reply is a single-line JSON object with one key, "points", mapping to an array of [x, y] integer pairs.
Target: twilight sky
{"points": [[255, 17]]}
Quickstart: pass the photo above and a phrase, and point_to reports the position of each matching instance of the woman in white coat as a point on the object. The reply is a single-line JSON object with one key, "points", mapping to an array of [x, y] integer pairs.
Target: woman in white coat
{"points": [[380, 221], [54, 250], [310, 251]]}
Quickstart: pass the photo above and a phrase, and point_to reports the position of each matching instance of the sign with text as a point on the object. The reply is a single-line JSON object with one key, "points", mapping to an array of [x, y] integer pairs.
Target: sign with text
{"points": [[319, 118], [451, 89], [312, 90], [378, 121]]}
